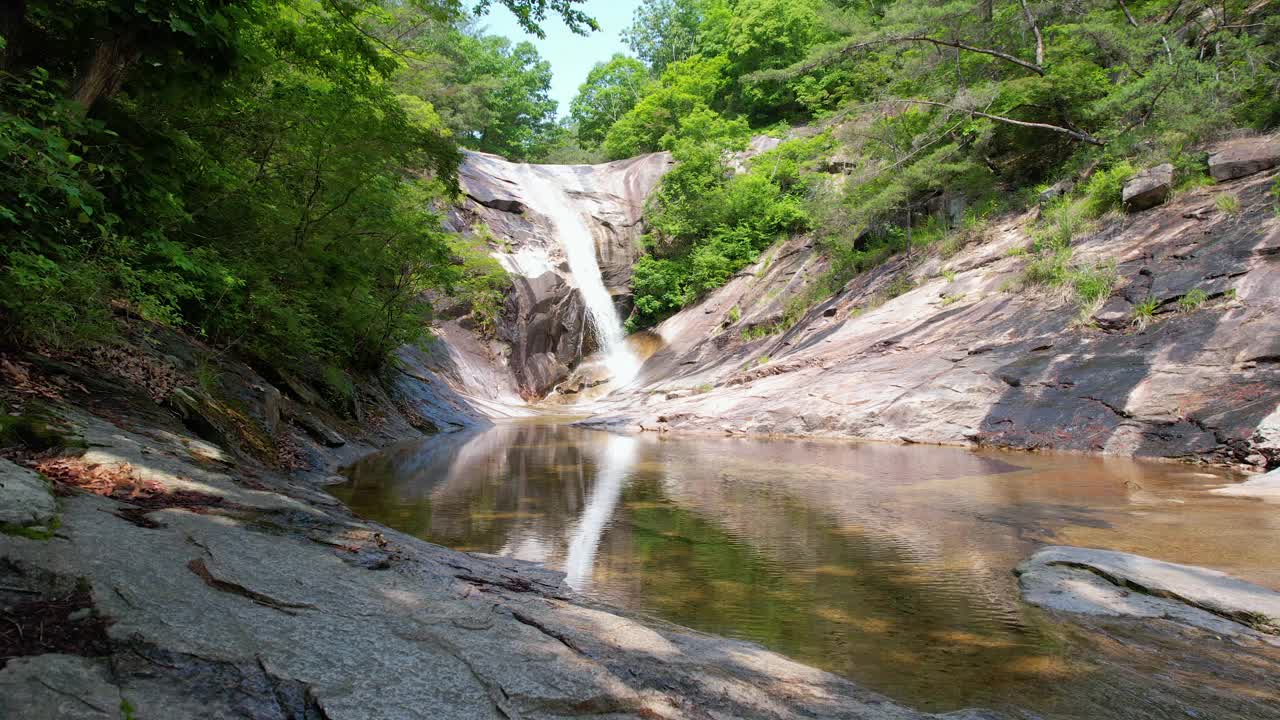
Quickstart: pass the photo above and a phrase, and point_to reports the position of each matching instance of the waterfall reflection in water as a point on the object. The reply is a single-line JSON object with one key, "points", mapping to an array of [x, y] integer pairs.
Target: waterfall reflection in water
{"points": [[888, 564], [618, 457]]}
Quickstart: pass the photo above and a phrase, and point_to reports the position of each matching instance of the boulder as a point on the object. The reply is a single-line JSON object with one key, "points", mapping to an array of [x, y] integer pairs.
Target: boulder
{"points": [[949, 206], [1116, 313], [1239, 158], [1056, 190], [1148, 188], [26, 500], [1109, 583]]}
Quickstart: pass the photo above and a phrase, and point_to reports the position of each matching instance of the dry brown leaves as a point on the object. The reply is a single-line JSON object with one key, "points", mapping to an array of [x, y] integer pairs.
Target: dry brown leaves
{"points": [[288, 455], [20, 378], [157, 378], [116, 481], [121, 482]]}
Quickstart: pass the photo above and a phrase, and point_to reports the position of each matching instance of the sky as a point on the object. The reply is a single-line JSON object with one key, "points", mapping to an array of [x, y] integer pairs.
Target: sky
{"points": [[571, 56]]}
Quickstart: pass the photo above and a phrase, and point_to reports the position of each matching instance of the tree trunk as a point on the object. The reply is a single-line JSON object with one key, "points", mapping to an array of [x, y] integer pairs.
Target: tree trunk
{"points": [[106, 70], [986, 10]]}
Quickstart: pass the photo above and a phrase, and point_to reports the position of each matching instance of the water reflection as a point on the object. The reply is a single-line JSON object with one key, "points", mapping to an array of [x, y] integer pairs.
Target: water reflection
{"points": [[888, 564], [618, 457]]}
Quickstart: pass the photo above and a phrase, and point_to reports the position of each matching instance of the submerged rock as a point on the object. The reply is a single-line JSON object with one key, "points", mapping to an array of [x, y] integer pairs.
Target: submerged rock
{"points": [[1105, 582], [1262, 486]]}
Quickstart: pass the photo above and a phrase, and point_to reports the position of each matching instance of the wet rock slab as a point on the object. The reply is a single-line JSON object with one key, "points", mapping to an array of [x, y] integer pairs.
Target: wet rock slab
{"points": [[1105, 582]]}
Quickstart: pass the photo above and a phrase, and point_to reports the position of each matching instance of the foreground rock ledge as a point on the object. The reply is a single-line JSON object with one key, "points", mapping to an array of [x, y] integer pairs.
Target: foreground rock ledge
{"points": [[1104, 582], [275, 603]]}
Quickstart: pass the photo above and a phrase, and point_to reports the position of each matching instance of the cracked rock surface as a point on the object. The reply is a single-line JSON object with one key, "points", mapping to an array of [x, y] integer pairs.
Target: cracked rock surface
{"points": [[273, 605]]}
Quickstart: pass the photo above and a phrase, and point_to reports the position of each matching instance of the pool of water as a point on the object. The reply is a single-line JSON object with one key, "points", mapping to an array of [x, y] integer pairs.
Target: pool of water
{"points": [[890, 565]]}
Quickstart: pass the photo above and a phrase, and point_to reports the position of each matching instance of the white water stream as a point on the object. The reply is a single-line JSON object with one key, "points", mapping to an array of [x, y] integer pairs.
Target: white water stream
{"points": [[547, 187]]}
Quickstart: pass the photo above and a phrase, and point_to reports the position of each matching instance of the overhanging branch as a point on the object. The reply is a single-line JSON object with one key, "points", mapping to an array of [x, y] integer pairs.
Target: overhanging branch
{"points": [[1077, 134], [855, 47]]}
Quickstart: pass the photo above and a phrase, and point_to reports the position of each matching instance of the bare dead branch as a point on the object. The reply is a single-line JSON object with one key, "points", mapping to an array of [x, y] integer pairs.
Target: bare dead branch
{"points": [[1031, 20], [1127, 15], [1077, 134], [855, 47]]}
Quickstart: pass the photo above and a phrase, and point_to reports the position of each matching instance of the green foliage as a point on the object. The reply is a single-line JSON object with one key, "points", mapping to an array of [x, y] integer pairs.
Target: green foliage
{"points": [[677, 107], [1144, 312], [1192, 301], [1093, 285], [484, 282], [1103, 191], [258, 172], [663, 32], [706, 227], [611, 89], [735, 314]]}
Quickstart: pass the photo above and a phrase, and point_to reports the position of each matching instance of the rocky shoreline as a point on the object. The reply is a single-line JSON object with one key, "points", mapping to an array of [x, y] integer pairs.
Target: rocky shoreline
{"points": [[173, 577], [173, 582]]}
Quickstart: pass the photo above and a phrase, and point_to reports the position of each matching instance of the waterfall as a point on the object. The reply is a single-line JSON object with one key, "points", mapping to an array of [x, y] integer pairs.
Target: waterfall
{"points": [[547, 188]]}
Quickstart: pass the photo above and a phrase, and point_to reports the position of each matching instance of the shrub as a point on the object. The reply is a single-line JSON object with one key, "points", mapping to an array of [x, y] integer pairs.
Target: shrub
{"points": [[1103, 191], [1227, 204], [1144, 312], [1192, 300]]}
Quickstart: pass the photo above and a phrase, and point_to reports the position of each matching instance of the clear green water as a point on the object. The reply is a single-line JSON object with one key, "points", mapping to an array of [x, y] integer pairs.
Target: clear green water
{"points": [[891, 565]]}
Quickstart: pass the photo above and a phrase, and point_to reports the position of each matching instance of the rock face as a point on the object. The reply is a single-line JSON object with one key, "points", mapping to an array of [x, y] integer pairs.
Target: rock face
{"points": [[1103, 582], [1148, 188], [545, 321], [26, 500], [960, 358], [1239, 158]]}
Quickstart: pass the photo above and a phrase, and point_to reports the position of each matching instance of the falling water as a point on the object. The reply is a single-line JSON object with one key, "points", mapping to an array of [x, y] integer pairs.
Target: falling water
{"points": [[547, 187]]}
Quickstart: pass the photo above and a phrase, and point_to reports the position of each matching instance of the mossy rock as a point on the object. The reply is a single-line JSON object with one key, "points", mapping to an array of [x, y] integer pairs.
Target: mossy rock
{"points": [[36, 432], [32, 532], [222, 423]]}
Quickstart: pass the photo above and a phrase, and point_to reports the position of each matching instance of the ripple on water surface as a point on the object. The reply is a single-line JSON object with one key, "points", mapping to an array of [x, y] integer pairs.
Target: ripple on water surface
{"points": [[888, 564]]}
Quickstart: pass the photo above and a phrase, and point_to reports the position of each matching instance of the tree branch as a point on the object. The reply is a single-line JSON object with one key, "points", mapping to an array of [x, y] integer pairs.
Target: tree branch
{"points": [[854, 47], [1127, 15], [1077, 134]]}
